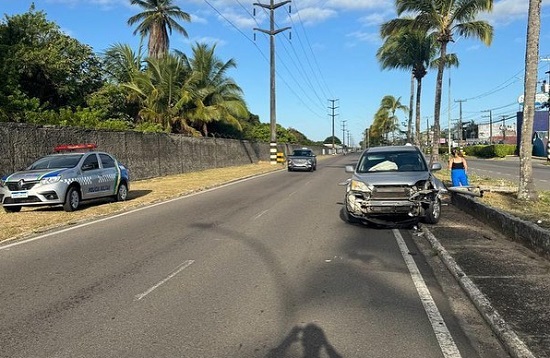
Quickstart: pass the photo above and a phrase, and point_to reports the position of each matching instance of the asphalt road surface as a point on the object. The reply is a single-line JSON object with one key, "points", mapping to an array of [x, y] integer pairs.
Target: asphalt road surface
{"points": [[508, 169], [260, 268]]}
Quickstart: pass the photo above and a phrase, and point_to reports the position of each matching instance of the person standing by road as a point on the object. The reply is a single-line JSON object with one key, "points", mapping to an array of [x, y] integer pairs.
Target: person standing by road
{"points": [[459, 168]]}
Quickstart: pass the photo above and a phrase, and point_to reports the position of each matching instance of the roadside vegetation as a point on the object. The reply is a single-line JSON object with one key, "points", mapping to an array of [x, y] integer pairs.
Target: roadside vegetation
{"points": [[50, 78], [503, 195]]}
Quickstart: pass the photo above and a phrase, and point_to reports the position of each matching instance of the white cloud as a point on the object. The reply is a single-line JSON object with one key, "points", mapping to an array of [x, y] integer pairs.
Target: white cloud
{"points": [[196, 19], [102, 4], [312, 15], [207, 40], [374, 19], [239, 20], [346, 4], [508, 11], [361, 36]]}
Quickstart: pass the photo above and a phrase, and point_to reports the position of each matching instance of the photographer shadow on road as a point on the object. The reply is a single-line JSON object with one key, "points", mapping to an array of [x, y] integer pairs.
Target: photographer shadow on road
{"points": [[313, 341]]}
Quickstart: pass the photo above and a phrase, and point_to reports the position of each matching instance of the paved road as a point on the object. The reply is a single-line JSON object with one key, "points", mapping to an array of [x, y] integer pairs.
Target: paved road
{"points": [[508, 168], [508, 283], [260, 268]]}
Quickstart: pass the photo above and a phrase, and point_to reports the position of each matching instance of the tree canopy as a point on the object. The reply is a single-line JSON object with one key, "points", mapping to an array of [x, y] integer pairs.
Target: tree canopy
{"points": [[51, 78]]}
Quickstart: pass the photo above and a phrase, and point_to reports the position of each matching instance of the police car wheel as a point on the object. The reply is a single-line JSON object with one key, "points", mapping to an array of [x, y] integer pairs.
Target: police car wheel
{"points": [[12, 209], [122, 192], [72, 200]]}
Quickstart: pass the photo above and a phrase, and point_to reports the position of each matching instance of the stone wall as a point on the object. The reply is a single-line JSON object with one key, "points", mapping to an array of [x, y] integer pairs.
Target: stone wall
{"points": [[147, 155]]}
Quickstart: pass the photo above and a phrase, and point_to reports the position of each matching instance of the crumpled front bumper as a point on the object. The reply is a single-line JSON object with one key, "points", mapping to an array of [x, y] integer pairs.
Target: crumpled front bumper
{"points": [[398, 203]]}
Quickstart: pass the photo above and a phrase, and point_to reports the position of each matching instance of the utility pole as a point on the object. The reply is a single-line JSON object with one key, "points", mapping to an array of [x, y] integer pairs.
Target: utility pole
{"points": [[490, 125], [428, 131], [344, 134], [460, 121], [333, 108], [272, 108], [503, 128]]}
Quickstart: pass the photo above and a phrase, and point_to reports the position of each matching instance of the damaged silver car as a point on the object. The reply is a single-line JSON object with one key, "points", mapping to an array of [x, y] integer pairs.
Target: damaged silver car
{"points": [[393, 184]]}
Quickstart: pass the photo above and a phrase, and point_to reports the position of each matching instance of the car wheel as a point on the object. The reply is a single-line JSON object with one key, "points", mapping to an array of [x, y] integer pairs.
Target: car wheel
{"points": [[289, 169], [72, 199], [12, 209], [433, 212], [122, 192]]}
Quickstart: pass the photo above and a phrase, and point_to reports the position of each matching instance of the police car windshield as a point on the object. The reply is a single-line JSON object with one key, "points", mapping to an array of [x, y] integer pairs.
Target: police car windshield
{"points": [[56, 162]]}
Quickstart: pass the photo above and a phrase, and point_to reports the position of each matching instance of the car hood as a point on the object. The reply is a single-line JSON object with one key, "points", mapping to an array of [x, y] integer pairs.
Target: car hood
{"points": [[392, 178], [34, 175]]}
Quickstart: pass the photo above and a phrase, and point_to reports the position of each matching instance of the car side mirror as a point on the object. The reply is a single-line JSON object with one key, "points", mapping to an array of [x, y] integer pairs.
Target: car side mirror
{"points": [[86, 167], [350, 169], [436, 166]]}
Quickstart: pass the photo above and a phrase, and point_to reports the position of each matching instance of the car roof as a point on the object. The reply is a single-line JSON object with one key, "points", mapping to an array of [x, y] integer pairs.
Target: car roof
{"points": [[392, 148], [76, 152]]}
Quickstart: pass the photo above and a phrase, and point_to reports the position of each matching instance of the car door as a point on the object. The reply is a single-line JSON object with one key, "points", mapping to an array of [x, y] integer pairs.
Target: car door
{"points": [[109, 175], [91, 172]]}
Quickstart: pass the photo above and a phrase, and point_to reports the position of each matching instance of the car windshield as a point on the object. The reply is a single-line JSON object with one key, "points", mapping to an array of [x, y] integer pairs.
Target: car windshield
{"points": [[391, 161], [302, 153], [56, 162]]}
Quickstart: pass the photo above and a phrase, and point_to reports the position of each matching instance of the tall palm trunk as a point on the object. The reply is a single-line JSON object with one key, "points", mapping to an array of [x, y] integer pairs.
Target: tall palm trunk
{"points": [[411, 102], [526, 186], [437, 110], [417, 119]]}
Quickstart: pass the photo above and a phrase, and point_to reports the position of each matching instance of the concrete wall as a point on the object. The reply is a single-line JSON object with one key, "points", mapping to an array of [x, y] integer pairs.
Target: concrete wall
{"points": [[147, 155]]}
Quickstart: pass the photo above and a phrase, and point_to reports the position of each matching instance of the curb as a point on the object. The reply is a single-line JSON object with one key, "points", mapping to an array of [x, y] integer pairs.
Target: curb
{"points": [[511, 342], [528, 234]]}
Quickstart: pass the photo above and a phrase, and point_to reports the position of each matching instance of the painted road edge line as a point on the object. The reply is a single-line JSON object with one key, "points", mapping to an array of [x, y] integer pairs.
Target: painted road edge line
{"points": [[444, 338], [512, 343]]}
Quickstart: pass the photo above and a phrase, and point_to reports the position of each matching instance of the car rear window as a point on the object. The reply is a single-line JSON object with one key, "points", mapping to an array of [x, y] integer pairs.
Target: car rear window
{"points": [[56, 162]]}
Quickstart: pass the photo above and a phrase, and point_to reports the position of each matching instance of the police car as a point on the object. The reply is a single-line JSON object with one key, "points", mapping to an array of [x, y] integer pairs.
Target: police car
{"points": [[73, 174]]}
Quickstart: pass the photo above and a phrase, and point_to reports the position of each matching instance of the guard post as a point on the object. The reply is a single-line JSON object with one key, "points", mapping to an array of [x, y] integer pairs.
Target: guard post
{"points": [[280, 157]]}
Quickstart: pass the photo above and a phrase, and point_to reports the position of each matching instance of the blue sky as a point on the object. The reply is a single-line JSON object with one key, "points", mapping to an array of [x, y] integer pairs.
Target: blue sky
{"points": [[327, 58]]}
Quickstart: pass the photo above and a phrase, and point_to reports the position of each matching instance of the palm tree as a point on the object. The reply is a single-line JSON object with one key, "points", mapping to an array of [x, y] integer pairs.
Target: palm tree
{"points": [[157, 20], [390, 105], [121, 63], [443, 19], [217, 97], [159, 90], [411, 50], [526, 186]]}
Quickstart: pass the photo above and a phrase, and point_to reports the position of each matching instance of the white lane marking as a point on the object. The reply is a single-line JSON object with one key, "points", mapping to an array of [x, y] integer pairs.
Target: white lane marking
{"points": [[180, 268], [444, 338], [260, 214], [131, 211]]}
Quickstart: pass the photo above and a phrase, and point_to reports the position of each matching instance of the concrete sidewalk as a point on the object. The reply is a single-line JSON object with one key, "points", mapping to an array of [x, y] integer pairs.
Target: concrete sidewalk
{"points": [[508, 283]]}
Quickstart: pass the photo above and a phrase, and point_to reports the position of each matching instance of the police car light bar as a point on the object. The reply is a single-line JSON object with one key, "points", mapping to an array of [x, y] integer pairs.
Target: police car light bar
{"points": [[72, 147]]}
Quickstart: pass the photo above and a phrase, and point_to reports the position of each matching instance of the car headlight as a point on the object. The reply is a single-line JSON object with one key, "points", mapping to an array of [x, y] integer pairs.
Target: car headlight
{"points": [[360, 186], [50, 180], [2, 182]]}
